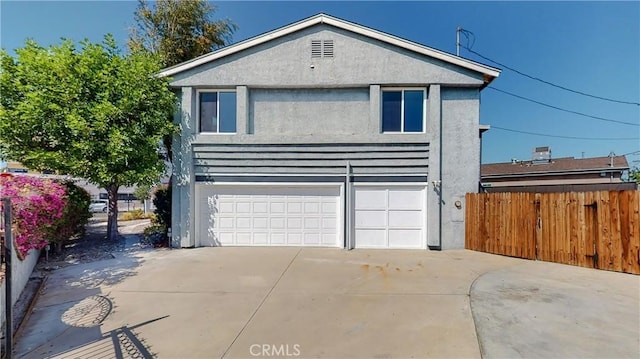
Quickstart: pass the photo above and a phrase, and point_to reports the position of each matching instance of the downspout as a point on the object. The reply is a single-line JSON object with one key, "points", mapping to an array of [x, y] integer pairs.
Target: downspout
{"points": [[347, 208]]}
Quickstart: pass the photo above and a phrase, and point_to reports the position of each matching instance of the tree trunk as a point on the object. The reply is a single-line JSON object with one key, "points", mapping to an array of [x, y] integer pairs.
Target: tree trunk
{"points": [[112, 223], [57, 247]]}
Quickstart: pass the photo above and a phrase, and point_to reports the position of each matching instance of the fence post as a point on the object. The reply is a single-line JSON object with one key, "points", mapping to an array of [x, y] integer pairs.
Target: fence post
{"points": [[8, 241]]}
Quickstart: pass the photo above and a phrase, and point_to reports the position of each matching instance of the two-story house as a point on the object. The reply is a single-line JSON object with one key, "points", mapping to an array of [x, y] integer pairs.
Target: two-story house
{"points": [[326, 133]]}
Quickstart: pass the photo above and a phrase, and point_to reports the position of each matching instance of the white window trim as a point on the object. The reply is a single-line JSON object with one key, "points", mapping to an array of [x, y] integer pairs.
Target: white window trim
{"points": [[198, 92], [403, 89]]}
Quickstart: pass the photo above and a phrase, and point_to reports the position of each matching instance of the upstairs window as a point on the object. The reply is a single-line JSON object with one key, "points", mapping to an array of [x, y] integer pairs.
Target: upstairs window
{"points": [[217, 111], [403, 110]]}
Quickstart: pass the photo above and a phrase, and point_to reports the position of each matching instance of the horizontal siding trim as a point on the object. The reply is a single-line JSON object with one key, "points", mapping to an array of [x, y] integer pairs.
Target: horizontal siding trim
{"points": [[307, 179], [317, 145], [292, 162], [411, 170], [284, 156]]}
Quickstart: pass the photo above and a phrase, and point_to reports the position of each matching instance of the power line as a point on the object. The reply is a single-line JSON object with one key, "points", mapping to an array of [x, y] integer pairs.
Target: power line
{"points": [[563, 109], [567, 137], [468, 48]]}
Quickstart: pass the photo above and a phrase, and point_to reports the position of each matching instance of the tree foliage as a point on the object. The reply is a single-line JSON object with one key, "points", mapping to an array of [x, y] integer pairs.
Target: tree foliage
{"points": [[634, 175], [178, 30], [74, 217], [88, 112]]}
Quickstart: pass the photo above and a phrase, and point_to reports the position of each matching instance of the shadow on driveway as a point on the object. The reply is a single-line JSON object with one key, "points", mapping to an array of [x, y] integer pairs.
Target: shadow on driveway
{"points": [[67, 318]]}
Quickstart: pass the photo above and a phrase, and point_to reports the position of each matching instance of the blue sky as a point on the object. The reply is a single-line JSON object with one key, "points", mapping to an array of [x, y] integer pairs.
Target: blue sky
{"points": [[592, 47]]}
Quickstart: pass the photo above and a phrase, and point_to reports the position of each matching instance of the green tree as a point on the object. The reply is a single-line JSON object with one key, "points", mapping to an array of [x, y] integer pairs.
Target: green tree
{"points": [[634, 175], [178, 30], [143, 193], [88, 112]]}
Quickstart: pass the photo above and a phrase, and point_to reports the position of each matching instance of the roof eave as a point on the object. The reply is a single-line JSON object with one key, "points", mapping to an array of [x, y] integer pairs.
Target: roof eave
{"points": [[554, 173]]}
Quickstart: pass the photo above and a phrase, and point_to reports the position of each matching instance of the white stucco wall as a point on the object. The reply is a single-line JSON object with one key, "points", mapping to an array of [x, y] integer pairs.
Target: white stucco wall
{"points": [[21, 272]]}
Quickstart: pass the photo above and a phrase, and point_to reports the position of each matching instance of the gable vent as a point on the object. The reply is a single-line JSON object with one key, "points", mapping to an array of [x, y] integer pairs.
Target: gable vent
{"points": [[321, 48], [316, 49], [327, 48]]}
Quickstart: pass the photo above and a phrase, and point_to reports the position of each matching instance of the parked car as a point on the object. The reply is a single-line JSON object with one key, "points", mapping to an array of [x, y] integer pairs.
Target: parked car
{"points": [[99, 205]]}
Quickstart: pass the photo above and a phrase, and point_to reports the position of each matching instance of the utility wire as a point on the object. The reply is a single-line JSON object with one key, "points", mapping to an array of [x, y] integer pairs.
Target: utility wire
{"points": [[567, 137], [468, 48], [562, 109]]}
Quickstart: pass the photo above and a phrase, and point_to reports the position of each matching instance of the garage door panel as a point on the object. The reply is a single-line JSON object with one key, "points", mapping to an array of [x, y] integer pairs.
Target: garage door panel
{"points": [[260, 223], [405, 199], [294, 207], [226, 207], [370, 199], [243, 223], [243, 237], [371, 219], [294, 223], [329, 239], [260, 207], [312, 223], [294, 239], [375, 238], [260, 238], [312, 208], [329, 223], [312, 239], [329, 207], [405, 238], [225, 223], [277, 207], [278, 238], [243, 207], [225, 238], [277, 223], [403, 219]]}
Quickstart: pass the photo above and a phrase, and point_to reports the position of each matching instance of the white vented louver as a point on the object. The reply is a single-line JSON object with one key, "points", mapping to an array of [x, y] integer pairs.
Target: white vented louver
{"points": [[327, 48], [321, 48], [316, 49]]}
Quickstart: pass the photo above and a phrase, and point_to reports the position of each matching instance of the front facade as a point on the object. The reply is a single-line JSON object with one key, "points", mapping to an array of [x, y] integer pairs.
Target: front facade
{"points": [[326, 133]]}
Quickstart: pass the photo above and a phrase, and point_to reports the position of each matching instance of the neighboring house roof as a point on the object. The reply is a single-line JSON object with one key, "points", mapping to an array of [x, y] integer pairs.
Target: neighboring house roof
{"points": [[489, 72], [555, 166]]}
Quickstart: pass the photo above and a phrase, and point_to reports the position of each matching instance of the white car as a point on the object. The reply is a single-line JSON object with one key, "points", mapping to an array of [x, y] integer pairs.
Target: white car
{"points": [[99, 205]]}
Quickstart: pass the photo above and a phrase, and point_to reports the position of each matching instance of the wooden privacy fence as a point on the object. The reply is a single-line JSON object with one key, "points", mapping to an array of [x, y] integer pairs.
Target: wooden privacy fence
{"points": [[588, 229]]}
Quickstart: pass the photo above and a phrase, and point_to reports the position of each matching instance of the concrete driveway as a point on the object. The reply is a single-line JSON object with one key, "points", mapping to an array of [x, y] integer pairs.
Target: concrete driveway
{"points": [[312, 303]]}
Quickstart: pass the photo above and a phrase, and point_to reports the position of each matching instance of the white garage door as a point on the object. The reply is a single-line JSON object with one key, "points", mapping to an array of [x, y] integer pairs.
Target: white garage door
{"points": [[390, 217], [268, 216]]}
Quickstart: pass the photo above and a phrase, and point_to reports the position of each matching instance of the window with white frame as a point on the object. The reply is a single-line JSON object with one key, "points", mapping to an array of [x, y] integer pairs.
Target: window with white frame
{"points": [[217, 111], [403, 110]]}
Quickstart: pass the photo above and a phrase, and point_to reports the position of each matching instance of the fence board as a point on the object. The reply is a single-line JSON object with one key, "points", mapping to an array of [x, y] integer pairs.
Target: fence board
{"points": [[567, 228]]}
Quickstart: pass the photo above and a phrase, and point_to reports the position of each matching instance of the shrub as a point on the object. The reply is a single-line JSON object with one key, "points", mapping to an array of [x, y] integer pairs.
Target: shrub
{"points": [[162, 202], [36, 205], [75, 215], [135, 214], [154, 235]]}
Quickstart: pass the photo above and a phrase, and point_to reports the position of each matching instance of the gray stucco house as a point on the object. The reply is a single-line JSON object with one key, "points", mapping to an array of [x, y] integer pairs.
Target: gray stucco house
{"points": [[326, 133]]}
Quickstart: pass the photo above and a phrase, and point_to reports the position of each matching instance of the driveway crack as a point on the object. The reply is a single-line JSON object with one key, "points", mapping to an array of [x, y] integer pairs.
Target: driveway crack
{"points": [[261, 303]]}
